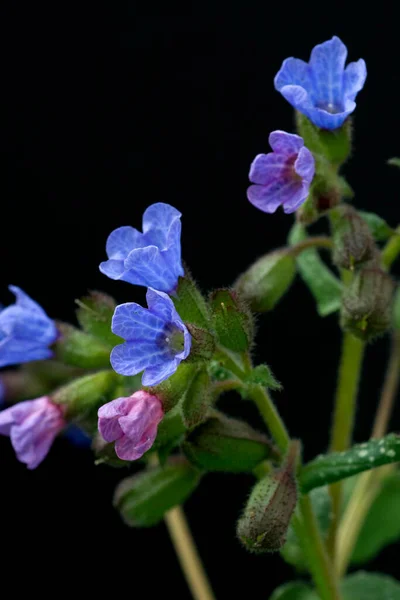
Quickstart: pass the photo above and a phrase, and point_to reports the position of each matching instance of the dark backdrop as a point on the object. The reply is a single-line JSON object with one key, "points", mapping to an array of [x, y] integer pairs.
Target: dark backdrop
{"points": [[106, 109]]}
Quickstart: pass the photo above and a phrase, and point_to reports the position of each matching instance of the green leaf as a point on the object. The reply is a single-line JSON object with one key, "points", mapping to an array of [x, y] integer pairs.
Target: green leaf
{"points": [[226, 444], [370, 586], [382, 524], [292, 551], [324, 286], [394, 162], [262, 375], [231, 320], [294, 591], [378, 226], [144, 498], [339, 465], [94, 315]]}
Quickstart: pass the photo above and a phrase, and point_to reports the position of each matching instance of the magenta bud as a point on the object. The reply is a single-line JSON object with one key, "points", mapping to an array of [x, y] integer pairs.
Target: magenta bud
{"points": [[131, 423]]}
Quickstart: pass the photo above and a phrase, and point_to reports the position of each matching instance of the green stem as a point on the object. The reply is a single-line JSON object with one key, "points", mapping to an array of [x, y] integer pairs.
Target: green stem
{"points": [[321, 567], [343, 419], [322, 241], [271, 417], [369, 484], [391, 251]]}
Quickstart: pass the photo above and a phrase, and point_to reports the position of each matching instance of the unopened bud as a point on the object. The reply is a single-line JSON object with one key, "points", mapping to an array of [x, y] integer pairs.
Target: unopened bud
{"points": [[367, 304], [95, 314], [232, 320], [77, 348], [352, 238], [197, 399], [172, 390], [226, 444], [265, 521], [267, 280]]}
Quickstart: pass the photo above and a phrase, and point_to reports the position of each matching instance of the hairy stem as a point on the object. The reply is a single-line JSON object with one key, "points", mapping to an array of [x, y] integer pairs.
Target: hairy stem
{"points": [[392, 250], [343, 419], [321, 241]]}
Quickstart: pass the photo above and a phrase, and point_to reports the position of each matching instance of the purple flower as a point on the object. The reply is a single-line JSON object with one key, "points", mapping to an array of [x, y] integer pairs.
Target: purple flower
{"points": [[131, 423], [151, 258], [156, 339], [32, 426], [283, 176], [323, 90], [26, 332]]}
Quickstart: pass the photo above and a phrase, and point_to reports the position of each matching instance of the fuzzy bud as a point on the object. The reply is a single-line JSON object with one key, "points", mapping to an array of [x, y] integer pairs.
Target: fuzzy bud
{"points": [[367, 304], [352, 238], [267, 280], [265, 521]]}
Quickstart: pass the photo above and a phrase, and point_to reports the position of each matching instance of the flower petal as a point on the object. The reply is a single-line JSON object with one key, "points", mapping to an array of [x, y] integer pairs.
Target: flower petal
{"points": [[293, 72], [133, 322], [109, 415], [15, 351], [157, 222], [6, 421], [154, 375], [266, 168], [123, 240], [132, 358], [126, 450], [260, 196], [305, 165], [296, 199], [326, 69], [285, 143], [354, 78], [160, 304], [152, 266]]}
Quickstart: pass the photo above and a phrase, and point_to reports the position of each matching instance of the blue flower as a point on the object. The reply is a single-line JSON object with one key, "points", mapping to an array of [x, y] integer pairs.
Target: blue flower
{"points": [[156, 339], [323, 90], [151, 258], [26, 332], [282, 177]]}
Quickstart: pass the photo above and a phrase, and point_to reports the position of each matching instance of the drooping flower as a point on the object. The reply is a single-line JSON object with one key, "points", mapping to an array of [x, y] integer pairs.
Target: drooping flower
{"points": [[151, 258], [131, 423], [157, 340], [26, 332], [323, 89], [32, 426], [282, 177]]}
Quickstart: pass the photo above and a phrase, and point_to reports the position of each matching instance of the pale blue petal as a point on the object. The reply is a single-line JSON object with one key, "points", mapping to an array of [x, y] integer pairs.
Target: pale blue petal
{"points": [[157, 222], [133, 357], [293, 72], [161, 305], [354, 78], [123, 240], [326, 68], [14, 351], [296, 199], [152, 266], [131, 322], [160, 372], [25, 302]]}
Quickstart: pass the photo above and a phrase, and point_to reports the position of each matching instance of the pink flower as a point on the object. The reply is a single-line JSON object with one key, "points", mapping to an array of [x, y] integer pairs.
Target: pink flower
{"points": [[131, 423], [32, 426]]}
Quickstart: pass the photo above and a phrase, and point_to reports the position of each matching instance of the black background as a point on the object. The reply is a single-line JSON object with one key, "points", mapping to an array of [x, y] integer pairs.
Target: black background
{"points": [[106, 109]]}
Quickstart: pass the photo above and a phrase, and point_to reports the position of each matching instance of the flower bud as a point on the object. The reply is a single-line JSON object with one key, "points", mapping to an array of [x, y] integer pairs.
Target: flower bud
{"points": [[190, 304], [352, 238], [265, 521], [77, 348], [232, 320], [171, 390], [267, 280], [144, 498], [95, 314], [82, 397], [226, 444], [131, 423], [197, 399], [367, 304]]}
